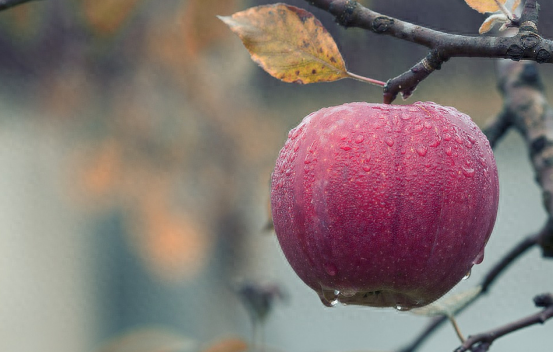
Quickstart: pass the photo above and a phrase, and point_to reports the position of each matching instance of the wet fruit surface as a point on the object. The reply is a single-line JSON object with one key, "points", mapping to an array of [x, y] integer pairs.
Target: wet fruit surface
{"points": [[384, 205]]}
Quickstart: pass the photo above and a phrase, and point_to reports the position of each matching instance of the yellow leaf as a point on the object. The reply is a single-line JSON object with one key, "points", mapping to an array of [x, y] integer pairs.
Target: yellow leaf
{"points": [[490, 21], [484, 5], [289, 43]]}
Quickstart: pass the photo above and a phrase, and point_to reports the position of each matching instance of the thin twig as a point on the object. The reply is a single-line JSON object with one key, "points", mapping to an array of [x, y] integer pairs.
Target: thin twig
{"points": [[482, 342]]}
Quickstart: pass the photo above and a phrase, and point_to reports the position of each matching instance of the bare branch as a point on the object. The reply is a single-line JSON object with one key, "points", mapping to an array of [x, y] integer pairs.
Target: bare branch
{"points": [[525, 45], [482, 342], [526, 108], [6, 4]]}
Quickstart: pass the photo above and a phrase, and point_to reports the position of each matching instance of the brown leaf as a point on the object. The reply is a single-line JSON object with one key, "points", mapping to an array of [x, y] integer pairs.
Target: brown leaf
{"points": [[228, 345], [484, 5], [289, 43]]}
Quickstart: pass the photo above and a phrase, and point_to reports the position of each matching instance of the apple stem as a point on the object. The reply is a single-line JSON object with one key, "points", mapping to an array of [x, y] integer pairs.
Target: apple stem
{"points": [[365, 79], [456, 328]]}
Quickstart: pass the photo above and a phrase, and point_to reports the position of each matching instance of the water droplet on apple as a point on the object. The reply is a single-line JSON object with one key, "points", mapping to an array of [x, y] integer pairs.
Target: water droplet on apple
{"points": [[345, 148], [291, 134], [468, 172], [471, 139], [329, 297], [407, 116], [331, 269], [401, 308], [480, 257], [448, 151], [435, 143], [421, 150], [359, 139], [418, 128], [366, 168], [482, 161], [467, 275], [389, 141], [347, 293], [427, 125], [458, 139], [447, 136]]}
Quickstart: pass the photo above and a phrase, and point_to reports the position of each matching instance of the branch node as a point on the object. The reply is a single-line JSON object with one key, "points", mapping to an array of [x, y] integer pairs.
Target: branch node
{"points": [[382, 24], [543, 56], [515, 52], [529, 26], [530, 40], [345, 15]]}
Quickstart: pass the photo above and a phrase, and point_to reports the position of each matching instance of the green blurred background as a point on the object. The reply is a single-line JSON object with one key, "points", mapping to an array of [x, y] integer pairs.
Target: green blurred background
{"points": [[137, 139]]}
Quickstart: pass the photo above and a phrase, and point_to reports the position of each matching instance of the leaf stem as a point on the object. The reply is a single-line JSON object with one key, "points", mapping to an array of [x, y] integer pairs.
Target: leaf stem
{"points": [[505, 10], [365, 79]]}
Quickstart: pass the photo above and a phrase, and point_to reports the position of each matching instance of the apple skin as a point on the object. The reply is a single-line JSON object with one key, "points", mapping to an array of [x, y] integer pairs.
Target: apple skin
{"points": [[384, 205]]}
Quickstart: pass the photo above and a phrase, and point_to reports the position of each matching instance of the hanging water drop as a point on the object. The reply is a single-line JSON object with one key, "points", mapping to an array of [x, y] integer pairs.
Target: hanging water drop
{"points": [[467, 275], [480, 257], [401, 308]]}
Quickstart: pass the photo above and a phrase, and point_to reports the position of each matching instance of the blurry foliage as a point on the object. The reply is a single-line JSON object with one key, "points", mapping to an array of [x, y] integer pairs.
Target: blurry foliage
{"points": [[155, 123], [106, 17], [228, 345], [150, 340]]}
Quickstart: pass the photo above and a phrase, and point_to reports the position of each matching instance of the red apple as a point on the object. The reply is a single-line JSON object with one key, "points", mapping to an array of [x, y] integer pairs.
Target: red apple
{"points": [[384, 205]]}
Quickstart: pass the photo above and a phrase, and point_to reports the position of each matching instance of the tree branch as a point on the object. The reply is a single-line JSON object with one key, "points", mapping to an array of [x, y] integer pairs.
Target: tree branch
{"points": [[6, 4], [525, 45], [500, 267], [482, 342]]}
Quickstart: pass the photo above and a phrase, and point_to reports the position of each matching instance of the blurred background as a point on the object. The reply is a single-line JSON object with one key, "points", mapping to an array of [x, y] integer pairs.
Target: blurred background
{"points": [[137, 139]]}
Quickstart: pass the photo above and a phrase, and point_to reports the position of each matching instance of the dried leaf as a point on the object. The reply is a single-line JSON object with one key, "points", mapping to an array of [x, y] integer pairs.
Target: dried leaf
{"points": [[484, 5], [449, 305], [490, 22], [289, 43], [228, 345]]}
